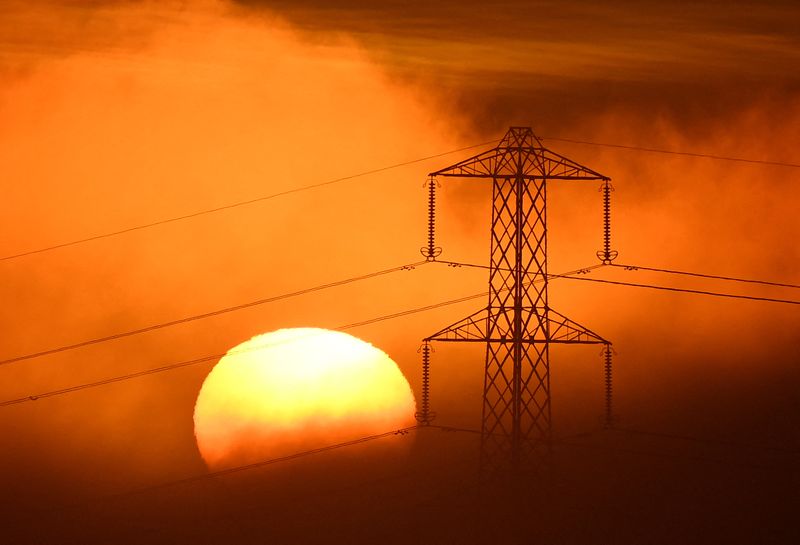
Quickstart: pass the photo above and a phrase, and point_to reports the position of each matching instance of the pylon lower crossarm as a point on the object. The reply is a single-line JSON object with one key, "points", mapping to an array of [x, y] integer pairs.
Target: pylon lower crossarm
{"points": [[556, 329]]}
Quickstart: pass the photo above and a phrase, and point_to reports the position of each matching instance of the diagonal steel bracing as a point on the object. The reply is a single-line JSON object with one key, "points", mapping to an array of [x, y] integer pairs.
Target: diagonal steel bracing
{"points": [[518, 326]]}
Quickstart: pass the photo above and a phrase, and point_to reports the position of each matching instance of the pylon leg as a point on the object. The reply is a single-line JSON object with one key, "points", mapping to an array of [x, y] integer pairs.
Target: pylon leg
{"points": [[516, 422]]}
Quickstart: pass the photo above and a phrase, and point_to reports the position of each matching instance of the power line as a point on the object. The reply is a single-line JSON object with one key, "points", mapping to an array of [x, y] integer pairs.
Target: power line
{"points": [[112, 380], [480, 432], [662, 454], [295, 498], [327, 491], [256, 465], [367, 173], [203, 359], [705, 440], [237, 204], [683, 290], [401, 431], [568, 275], [650, 286], [416, 310], [212, 357], [458, 264], [675, 152], [701, 275], [247, 467], [565, 441], [210, 314]]}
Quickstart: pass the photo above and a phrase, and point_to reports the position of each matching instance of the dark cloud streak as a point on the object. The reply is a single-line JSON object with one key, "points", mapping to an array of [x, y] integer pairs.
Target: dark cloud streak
{"points": [[509, 58]]}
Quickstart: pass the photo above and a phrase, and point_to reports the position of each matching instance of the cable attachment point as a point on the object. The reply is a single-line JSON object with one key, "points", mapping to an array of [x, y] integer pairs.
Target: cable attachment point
{"points": [[608, 353], [431, 251], [425, 416], [607, 255]]}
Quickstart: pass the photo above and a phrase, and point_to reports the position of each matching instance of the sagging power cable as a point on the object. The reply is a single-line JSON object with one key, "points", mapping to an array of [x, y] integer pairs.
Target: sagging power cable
{"points": [[238, 204], [204, 315], [213, 357]]}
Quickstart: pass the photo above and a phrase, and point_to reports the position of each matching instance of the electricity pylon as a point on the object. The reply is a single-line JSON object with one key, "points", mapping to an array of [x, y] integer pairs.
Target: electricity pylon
{"points": [[517, 326]]}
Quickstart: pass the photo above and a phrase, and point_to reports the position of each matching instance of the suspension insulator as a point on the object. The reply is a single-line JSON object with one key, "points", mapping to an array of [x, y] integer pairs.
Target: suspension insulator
{"points": [[608, 353], [607, 255], [424, 416], [431, 251]]}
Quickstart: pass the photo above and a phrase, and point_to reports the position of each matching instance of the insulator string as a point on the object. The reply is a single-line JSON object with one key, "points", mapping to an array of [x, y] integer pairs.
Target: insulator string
{"points": [[608, 355], [607, 255], [425, 416], [431, 251]]}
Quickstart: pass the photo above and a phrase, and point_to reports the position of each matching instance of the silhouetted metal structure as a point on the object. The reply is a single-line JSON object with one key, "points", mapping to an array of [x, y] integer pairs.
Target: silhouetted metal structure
{"points": [[425, 416], [606, 255], [518, 326]]}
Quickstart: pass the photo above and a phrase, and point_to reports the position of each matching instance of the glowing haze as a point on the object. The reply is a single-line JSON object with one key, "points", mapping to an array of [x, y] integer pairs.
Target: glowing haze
{"points": [[294, 389], [118, 115], [115, 114]]}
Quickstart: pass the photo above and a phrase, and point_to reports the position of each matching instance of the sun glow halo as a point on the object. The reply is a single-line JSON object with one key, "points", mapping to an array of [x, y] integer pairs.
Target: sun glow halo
{"points": [[295, 389]]}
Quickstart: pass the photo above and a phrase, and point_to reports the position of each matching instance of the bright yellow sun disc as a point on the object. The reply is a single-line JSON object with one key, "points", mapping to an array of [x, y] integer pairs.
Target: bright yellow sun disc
{"points": [[295, 389]]}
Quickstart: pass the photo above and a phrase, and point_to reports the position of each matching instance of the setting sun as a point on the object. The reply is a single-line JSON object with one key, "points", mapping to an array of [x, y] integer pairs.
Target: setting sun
{"points": [[295, 389]]}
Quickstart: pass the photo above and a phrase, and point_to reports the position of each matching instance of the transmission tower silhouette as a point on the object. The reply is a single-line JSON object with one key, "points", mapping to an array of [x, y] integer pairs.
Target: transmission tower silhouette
{"points": [[517, 326]]}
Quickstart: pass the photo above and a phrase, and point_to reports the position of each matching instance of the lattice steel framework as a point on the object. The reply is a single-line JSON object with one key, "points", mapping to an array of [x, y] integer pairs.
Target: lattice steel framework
{"points": [[518, 326]]}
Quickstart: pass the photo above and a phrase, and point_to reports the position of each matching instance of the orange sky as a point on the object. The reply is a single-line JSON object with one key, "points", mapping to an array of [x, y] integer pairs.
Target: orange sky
{"points": [[118, 114]]}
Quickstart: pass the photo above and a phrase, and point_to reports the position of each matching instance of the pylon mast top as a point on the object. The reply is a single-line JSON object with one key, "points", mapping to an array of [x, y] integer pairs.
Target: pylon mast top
{"points": [[520, 154]]}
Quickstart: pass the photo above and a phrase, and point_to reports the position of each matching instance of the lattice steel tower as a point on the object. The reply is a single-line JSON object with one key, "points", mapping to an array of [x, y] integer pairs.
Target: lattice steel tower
{"points": [[518, 326]]}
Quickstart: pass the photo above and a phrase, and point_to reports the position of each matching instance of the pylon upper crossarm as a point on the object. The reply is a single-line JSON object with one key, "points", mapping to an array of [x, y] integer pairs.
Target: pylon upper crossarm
{"points": [[530, 161]]}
